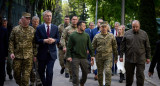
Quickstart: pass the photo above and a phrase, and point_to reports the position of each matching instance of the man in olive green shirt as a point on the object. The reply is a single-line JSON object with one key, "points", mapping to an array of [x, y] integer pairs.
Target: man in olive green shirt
{"points": [[22, 49], [77, 46], [136, 47]]}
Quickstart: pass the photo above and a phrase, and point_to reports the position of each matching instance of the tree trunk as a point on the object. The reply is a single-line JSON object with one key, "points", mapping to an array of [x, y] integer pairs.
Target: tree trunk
{"points": [[3, 6], [10, 12]]}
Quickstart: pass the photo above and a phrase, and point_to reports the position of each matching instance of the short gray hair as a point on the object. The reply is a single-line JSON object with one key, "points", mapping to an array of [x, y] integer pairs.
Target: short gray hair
{"points": [[116, 23], [47, 11], [100, 19], [35, 18]]}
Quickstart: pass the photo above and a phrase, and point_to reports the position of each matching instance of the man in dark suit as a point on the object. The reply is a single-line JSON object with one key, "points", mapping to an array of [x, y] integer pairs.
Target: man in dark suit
{"points": [[95, 30], [3, 52], [47, 37], [88, 30], [114, 31]]}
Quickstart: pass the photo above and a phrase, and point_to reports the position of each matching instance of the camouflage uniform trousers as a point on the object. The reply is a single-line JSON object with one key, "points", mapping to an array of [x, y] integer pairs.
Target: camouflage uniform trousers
{"points": [[83, 63], [61, 58], [68, 68], [22, 69], [9, 65], [104, 64], [33, 75]]}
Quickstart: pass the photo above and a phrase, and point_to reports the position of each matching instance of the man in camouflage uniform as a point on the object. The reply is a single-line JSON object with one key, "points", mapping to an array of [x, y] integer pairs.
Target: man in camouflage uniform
{"points": [[105, 44], [61, 28], [21, 47], [64, 39], [35, 77]]}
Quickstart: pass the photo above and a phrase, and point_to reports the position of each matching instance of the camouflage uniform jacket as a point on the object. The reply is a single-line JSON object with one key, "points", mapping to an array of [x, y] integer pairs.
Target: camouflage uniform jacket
{"points": [[105, 46], [61, 28], [66, 33], [22, 42]]}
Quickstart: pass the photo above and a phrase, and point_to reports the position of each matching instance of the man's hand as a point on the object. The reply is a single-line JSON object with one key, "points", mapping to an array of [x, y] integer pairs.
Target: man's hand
{"points": [[64, 49], [121, 59], [92, 61], [150, 74], [87, 51], [51, 40], [12, 56], [92, 58], [69, 59], [147, 61], [46, 41]]}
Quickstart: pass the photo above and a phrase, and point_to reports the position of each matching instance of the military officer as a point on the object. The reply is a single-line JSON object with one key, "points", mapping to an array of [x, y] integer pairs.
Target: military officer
{"points": [[61, 28], [21, 47], [105, 45], [64, 39], [35, 77]]}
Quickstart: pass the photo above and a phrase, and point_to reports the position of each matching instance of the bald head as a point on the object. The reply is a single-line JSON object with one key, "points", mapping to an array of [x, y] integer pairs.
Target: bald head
{"points": [[135, 25]]}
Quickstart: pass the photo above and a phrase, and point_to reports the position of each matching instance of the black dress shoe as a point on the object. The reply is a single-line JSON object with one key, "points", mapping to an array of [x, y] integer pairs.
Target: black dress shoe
{"points": [[10, 77], [62, 70], [67, 75]]}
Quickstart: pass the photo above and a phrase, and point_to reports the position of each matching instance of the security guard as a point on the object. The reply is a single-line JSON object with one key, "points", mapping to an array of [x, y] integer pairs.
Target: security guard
{"points": [[61, 28]]}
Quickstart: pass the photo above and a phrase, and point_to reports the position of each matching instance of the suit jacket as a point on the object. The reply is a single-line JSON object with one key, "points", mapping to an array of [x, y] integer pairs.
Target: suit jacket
{"points": [[112, 30], [44, 48], [94, 32], [88, 30], [3, 43]]}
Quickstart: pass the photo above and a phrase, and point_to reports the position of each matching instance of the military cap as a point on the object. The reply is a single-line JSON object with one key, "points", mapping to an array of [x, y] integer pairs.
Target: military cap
{"points": [[25, 14], [104, 24]]}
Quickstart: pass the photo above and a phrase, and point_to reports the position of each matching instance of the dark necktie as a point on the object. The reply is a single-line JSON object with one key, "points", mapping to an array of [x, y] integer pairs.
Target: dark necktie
{"points": [[48, 31]]}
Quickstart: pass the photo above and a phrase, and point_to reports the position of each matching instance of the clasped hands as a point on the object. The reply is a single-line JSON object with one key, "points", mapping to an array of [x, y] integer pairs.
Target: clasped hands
{"points": [[49, 40]]}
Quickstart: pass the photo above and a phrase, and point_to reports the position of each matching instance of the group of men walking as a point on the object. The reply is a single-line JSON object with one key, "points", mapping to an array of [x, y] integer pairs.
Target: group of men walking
{"points": [[28, 45]]}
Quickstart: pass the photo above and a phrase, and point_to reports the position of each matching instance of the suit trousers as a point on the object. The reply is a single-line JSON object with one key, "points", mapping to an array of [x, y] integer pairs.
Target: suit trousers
{"points": [[46, 65], [130, 67], [83, 63], [2, 72]]}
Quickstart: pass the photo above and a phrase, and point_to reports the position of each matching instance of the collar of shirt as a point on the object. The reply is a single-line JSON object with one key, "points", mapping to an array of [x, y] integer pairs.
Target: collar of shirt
{"points": [[134, 32], [46, 27], [115, 32], [74, 26]]}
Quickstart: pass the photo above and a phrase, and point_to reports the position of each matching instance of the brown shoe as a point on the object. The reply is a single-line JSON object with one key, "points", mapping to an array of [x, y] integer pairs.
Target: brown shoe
{"points": [[81, 84], [96, 77]]}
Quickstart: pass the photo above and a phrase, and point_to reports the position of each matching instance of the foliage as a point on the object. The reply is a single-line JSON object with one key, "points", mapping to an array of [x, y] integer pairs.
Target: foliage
{"points": [[148, 22]]}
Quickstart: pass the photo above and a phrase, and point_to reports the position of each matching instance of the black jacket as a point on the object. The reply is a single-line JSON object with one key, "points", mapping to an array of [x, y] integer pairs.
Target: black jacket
{"points": [[156, 59], [3, 43]]}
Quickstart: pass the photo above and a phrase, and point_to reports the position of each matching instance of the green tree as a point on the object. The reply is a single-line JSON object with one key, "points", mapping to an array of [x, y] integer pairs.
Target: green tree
{"points": [[147, 19]]}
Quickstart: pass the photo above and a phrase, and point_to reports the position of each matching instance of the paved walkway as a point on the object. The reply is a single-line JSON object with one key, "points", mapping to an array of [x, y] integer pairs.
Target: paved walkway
{"points": [[60, 80]]}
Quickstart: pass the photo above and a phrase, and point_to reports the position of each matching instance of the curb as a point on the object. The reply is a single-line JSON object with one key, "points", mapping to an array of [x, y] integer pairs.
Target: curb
{"points": [[150, 81]]}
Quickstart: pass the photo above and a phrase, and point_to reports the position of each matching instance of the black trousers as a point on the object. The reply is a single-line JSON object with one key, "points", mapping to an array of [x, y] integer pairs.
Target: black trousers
{"points": [[2, 72], [130, 68], [45, 70]]}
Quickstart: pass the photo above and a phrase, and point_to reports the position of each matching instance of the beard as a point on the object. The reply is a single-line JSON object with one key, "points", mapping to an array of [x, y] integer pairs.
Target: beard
{"points": [[82, 29]]}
